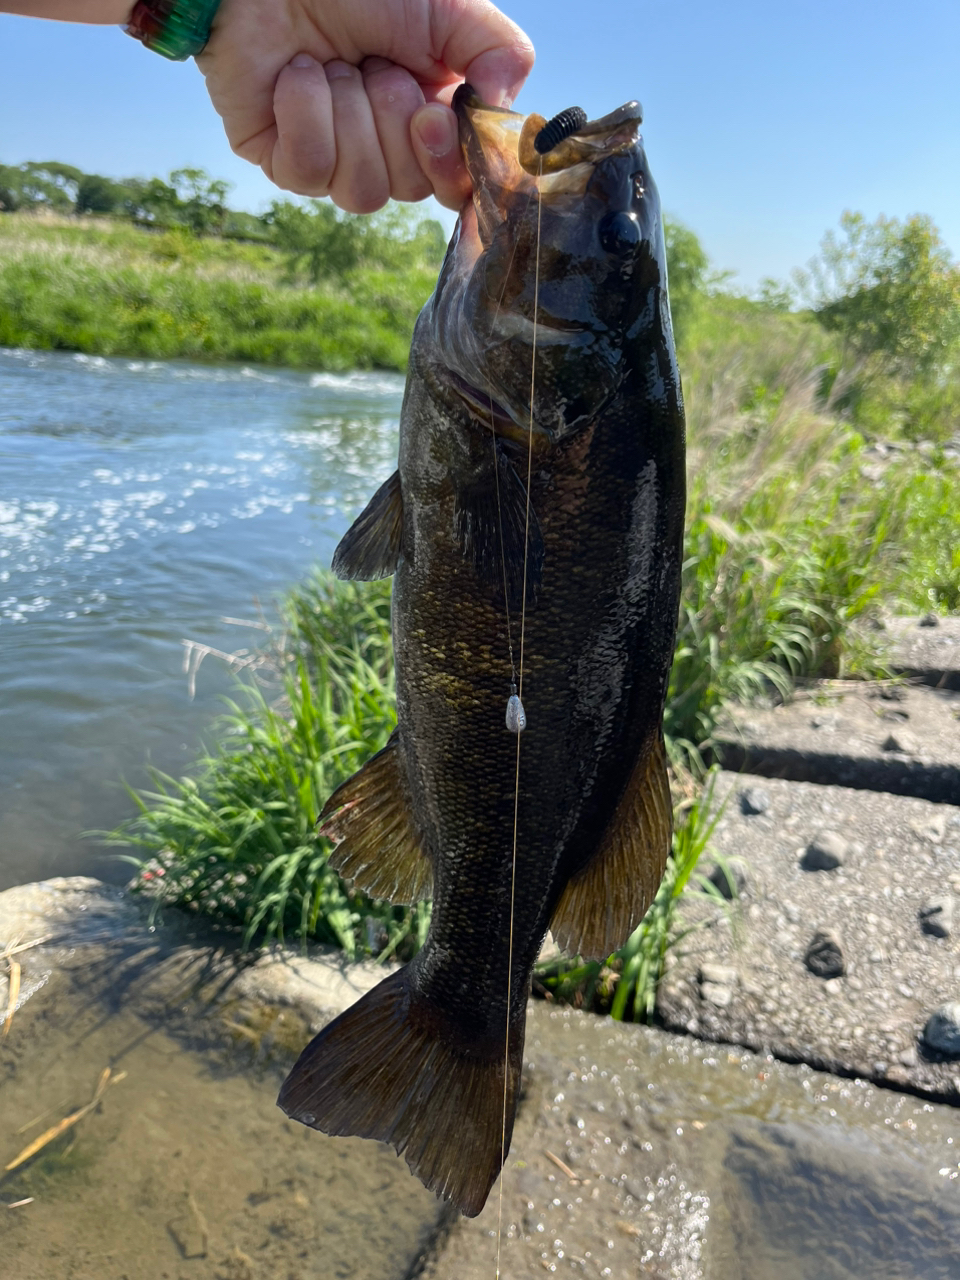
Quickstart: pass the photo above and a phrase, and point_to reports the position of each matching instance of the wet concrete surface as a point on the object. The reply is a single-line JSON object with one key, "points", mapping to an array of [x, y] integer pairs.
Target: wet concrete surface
{"points": [[637, 1153], [643, 1154], [185, 1169]]}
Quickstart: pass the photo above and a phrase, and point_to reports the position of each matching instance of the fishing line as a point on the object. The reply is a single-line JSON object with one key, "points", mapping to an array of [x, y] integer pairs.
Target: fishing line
{"points": [[516, 789], [496, 484]]}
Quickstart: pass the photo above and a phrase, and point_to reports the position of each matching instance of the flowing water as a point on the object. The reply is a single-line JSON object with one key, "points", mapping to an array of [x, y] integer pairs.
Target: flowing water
{"points": [[141, 505]]}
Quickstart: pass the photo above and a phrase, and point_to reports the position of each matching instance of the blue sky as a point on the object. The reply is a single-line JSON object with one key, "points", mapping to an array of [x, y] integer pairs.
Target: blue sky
{"points": [[764, 121]]}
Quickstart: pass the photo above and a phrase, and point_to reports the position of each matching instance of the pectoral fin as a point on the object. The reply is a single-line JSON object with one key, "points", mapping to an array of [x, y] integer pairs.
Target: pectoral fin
{"points": [[604, 903], [491, 520], [371, 546], [370, 819]]}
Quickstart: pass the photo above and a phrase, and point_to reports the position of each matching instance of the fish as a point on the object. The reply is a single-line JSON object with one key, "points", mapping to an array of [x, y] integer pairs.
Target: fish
{"points": [[534, 530]]}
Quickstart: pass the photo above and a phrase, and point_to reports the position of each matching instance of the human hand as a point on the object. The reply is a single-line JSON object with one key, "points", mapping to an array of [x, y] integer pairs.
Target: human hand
{"points": [[350, 98]]}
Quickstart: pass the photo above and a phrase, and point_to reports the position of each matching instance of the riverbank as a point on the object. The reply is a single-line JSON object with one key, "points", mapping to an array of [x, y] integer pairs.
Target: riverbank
{"points": [[637, 1151], [105, 289]]}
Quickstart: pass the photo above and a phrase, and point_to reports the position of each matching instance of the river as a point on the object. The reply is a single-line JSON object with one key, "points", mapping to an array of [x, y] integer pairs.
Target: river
{"points": [[142, 504]]}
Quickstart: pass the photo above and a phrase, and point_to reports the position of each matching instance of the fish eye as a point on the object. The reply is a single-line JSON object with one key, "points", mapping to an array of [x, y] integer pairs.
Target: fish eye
{"points": [[620, 232]]}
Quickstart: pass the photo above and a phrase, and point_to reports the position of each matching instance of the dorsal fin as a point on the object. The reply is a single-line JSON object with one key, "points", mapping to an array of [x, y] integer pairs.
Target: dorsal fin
{"points": [[370, 819], [371, 546], [604, 903]]}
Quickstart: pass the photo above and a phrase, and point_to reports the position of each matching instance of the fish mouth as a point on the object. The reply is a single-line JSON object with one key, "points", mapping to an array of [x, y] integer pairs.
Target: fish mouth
{"points": [[501, 153]]}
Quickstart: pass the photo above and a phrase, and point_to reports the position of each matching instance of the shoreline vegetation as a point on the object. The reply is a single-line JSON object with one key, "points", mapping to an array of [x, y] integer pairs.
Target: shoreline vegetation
{"points": [[824, 487]]}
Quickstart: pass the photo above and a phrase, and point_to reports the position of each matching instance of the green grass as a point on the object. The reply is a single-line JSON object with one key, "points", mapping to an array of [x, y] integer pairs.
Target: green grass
{"points": [[115, 290], [237, 838]]}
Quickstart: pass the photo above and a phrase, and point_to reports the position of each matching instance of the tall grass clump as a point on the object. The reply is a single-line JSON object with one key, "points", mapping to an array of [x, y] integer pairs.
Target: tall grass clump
{"points": [[237, 840], [798, 535]]}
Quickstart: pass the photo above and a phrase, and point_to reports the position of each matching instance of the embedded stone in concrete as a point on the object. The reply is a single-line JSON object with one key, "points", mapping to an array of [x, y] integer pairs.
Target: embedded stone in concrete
{"points": [[824, 955], [754, 800], [936, 915], [942, 1031], [825, 852]]}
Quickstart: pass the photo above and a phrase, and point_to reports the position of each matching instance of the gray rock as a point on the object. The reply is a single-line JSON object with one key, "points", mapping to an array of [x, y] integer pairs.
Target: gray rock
{"points": [[824, 955], [825, 852], [902, 741], [716, 995], [754, 800], [942, 1031], [932, 829], [729, 878], [929, 620], [724, 975], [936, 916]]}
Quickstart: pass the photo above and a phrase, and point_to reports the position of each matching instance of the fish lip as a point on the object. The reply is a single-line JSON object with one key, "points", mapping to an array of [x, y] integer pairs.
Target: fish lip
{"points": [[514, 133]]}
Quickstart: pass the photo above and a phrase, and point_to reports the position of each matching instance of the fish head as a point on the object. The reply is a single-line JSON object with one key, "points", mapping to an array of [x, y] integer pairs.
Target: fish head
{"points": [[555, 271]]}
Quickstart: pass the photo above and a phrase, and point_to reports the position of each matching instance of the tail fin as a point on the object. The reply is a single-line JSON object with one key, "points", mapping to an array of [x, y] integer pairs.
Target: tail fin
{"points": [[386, 1070]]}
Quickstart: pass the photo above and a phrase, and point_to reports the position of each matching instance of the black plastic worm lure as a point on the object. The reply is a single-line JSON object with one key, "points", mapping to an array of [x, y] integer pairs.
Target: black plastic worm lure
{"points": [[561, 126]]}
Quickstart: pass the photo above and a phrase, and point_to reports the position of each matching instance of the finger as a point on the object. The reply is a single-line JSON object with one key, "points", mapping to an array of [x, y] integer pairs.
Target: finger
{"points": [[304, 155], [436, 143], [360, 183], [394, 97], [487, 49]]}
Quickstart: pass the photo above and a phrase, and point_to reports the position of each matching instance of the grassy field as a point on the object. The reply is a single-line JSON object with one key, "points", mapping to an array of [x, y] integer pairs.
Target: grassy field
{"points": [[109, 288]]}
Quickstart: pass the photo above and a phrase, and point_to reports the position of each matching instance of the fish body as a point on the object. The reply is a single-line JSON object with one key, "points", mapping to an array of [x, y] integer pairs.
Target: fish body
{"points": [[540, 490]]}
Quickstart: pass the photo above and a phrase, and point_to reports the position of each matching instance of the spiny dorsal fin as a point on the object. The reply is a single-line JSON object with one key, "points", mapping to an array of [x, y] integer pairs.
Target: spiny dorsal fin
{"points": [[604, 903], [371, 546], [378, 847], [391, 1070], [478, 528]]}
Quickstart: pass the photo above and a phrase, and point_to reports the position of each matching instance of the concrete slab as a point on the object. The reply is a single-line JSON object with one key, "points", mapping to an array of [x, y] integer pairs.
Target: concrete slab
{"points": [[903, 739], [743, 976], [644, 1154], [927, 648]]}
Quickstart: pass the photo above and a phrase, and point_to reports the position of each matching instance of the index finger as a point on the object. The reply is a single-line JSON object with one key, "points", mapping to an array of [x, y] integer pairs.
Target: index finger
{"points": [[483, 46]]}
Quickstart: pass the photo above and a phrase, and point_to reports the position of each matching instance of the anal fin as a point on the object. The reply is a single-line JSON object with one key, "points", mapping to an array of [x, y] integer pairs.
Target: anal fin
{"points": [[604, 903], [369, 818], [371, 546]]}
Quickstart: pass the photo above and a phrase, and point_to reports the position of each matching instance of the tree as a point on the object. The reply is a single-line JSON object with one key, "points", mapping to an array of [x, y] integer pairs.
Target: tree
{"points": [[201, 200], [890, 290], [687, 273], [96, 194], [316, 239]]}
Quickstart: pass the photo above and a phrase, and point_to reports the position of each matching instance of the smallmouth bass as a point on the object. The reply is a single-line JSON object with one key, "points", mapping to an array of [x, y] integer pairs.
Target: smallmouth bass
{"points": [[430, 1059]]}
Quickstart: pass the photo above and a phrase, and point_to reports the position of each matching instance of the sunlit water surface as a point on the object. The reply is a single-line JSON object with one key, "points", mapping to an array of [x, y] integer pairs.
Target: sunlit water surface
{"points": [[143, 503]]}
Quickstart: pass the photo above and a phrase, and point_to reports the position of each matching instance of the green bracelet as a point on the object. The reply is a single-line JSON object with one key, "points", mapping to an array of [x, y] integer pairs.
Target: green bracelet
{"points": [[176, 29]]}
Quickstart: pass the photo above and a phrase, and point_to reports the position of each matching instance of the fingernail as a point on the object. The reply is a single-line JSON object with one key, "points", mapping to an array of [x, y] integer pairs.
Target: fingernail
{"points": [[339, 70], [303, 60], [437, 129]]}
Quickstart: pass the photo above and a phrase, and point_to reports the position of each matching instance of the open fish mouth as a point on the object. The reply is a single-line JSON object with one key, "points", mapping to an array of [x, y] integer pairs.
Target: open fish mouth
{"points": [[501, 151]]}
